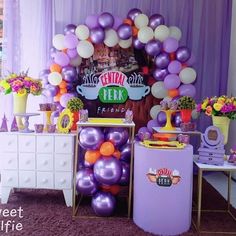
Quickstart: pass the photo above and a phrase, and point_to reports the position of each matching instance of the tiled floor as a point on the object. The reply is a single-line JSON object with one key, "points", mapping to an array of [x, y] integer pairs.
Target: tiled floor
{"points": [[219, 181]]}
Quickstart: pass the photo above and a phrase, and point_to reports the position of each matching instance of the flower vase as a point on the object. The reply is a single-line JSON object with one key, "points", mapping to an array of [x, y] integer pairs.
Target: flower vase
{"points": [[75, 120], [222, 122], [186, 115], [19, 106]]}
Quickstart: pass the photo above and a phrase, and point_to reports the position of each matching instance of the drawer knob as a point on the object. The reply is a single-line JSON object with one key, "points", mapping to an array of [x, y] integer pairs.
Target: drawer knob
{"points": [[45, 163], [62, 181], [46, 144], [65, 144], [63, 163], [27, 143], [10, 161], [44, 181], [9, 179], [9, 143], [28, 162], [27, 180]]}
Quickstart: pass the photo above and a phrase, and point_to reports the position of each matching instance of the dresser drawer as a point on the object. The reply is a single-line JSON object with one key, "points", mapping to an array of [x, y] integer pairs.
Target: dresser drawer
{"points": [[27, 179], [44, 180], [45, 144], [27, 161], [63, 162], [8, 143], [26, 143], [9, 161], [9, 178], [63, 180], [44, 162], [64, 144]]}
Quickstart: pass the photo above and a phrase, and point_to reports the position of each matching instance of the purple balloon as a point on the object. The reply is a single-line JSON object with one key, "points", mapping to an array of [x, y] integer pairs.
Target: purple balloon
{"points": [[97, 35], [118, 136], [85, 182], [183, 54], [187, 90], [161, 118], [174, 67], [133, 13], [107, 170], [106, 20], [65, 98], [151, 124], [124, 31], [160, 74], [125, 152], [170, 45], [53, 52], [144, 133], [171, 81], [50, 90], [177, 119], [44, 74], [103, 204], [70, 29], [92, 21], [70, 41], [91, 138], [70, 87], [124, 180], [117, 22], [162, 60], [137, 44], [61, 59], [69, 73], [72, 53], [153, 47], [156, 20]]}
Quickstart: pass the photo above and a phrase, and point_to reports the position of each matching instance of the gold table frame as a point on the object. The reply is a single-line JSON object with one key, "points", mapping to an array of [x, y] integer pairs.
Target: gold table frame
{"points": [[205, 167], [111, 123]]}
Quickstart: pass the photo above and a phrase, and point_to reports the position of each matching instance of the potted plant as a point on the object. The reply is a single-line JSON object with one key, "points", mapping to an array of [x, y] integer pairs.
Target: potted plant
{"points": [[186, 104], [74, 105]]}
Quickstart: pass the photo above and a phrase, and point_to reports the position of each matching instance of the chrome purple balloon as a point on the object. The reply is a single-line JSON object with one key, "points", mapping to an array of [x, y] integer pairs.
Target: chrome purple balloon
{"points": [[151, 124], [133, 13], [103, 204], [156, 20], [137, 44], [97, 35], [50, 90], [124, 180], [69, 73], [124, 31], [125, 152], [118, 136], [85, 182], [183, 54], [144, 133], [177, 119], [70, 29], [162, 60], [161, 118], [53, 52], [160, 74], [106, 20], [91, 138], [153, 47], [107, 170]]}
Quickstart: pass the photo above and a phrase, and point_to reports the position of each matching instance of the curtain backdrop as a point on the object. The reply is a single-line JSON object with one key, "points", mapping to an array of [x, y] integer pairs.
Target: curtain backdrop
{"points": [[205, 26]]}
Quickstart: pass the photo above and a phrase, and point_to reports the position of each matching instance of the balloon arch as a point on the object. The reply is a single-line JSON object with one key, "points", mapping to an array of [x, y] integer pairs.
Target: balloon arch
{"points": [[173, 74]]}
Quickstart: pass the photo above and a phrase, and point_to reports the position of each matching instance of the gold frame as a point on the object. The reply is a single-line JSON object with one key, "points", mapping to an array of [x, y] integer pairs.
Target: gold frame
{"points": [[65, 130], [131, 127]]}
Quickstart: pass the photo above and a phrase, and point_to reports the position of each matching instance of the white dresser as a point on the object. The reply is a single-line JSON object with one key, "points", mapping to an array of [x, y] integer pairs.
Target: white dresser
{"points": [[41, 161]]}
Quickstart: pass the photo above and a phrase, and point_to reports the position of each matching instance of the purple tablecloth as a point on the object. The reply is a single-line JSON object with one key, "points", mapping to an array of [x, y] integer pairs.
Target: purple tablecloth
{"points": [[163, 189]]}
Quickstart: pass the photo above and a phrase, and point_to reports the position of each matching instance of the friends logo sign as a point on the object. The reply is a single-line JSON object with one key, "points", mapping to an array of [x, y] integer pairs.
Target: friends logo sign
{"points": [[113, 87]]}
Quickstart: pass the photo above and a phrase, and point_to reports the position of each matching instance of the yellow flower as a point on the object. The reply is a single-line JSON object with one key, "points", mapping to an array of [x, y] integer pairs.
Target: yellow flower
{"points": [[208, 110], [22, 92], [204, 104], [221, 100], [4, 84], [218, 106]]}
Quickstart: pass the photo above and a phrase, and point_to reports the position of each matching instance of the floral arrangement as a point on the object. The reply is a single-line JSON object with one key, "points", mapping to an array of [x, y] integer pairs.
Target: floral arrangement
{"points": [[219, 106], [187, 103], [75, 104], [20, 84]]}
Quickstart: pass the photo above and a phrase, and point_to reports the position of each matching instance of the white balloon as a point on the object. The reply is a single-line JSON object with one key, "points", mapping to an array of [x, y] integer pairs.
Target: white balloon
{"points": [[158, 90], [54, 78], [175, 32], [195, 114], [141, 21], [125, 43], [111, 38], [161, 32], [145, 34], [58, 41], [82, 32], [154, 111], [188, 75], [76, 61], [85, 49]]}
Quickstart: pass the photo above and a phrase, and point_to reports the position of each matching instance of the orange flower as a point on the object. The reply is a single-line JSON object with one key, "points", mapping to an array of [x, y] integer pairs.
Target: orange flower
{"points": [[208, 110]]}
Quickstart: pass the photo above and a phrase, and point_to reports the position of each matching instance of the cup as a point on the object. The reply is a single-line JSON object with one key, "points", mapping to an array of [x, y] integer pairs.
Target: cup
{"points": [[38, 128], [137, 92], [51, 128], [89, 92], [43, 106]]}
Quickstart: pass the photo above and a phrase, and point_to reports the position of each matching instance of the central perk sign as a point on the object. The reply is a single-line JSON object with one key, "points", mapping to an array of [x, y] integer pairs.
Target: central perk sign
{"points": [[113, 87]]}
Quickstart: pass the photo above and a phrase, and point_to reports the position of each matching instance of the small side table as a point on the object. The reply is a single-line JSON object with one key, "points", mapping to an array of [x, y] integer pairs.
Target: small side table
{"points": [[227, 167]]}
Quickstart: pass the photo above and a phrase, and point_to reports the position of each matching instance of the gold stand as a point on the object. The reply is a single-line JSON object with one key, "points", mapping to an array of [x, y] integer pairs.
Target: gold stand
{"points": [[48, 119]]}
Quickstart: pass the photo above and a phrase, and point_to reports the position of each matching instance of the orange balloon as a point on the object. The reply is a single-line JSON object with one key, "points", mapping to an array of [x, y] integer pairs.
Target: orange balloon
{"points": [[57, 97], [173, 93], [184, 65], [117, 154], [64, 50], [113, 189], [134, 31], [55, 68], [63, 90], [89, 39], [172, 56], [107, 149], [63, 84], [91, 156], [128, 21]]}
